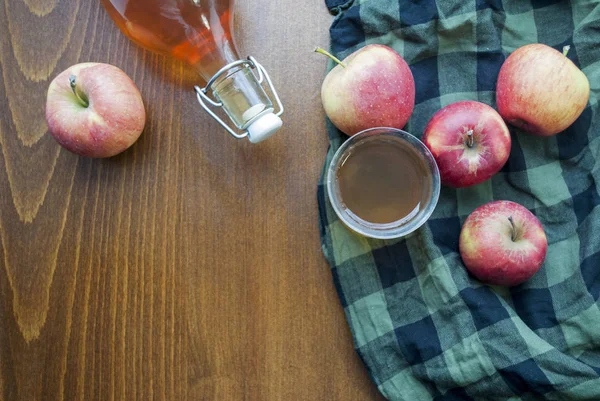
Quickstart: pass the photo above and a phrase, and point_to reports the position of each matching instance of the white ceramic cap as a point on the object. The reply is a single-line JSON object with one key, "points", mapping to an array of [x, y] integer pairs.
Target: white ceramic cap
{"points": [[264, 127]]}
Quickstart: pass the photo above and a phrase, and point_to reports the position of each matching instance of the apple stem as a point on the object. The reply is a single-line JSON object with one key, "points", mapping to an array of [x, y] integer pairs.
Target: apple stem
{"points": [[82, 98], [566, 50], [513, 236], [470, 140], [331, 56]]}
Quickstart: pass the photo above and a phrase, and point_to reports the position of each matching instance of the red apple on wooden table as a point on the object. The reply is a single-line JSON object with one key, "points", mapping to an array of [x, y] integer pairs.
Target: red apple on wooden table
{"points": [[469, 141], [372, 87], [540, 90], [503, 243], [94, 110]]}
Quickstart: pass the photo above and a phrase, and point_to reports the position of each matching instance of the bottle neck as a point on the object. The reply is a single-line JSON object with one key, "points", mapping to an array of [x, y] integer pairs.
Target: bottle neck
{"points": [[237, 89], [242, 96]]}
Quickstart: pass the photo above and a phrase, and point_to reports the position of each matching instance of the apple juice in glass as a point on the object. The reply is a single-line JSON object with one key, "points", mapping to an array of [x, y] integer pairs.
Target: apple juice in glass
{"points": [[383, 183], [200, 33]]}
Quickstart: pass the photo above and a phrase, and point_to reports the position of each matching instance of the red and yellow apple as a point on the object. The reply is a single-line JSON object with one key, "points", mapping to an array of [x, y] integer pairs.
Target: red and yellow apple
{"points": [[503, 243], [540, 90], [469, 141], [372, 87], [94, 110]]}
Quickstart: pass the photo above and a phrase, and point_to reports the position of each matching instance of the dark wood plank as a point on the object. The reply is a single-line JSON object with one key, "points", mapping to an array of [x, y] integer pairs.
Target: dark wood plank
{"points": [[188, 267]]}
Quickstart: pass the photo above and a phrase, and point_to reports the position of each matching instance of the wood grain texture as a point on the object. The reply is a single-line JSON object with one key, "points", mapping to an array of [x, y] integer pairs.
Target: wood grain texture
{"points": [[187, 268]]}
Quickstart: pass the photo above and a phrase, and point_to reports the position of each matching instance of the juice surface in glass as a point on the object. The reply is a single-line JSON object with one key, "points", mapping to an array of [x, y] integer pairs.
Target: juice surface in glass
{"points": [[195, 31]]}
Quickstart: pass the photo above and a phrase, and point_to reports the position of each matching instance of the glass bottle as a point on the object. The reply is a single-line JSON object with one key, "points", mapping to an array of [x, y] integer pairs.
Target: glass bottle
{"points": [[200, 32]]}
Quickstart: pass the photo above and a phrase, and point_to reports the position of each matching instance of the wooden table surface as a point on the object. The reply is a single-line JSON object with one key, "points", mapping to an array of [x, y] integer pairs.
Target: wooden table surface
{"points": [[187, 268]]}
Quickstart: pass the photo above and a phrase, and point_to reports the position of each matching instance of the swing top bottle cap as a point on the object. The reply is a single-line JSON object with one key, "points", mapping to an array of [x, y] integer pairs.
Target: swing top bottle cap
{"points": [[264, 127]]}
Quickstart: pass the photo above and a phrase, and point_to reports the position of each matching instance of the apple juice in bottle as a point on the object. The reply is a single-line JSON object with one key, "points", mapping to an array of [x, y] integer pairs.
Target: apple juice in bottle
{"points": [[199, 32]]}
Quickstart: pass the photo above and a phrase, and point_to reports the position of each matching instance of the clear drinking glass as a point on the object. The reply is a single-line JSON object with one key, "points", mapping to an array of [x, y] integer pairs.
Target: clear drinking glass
{"points": [[398, 228]]}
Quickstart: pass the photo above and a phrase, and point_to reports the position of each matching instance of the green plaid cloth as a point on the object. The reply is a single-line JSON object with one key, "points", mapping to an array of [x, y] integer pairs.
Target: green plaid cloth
{"points": [[424, 328]]}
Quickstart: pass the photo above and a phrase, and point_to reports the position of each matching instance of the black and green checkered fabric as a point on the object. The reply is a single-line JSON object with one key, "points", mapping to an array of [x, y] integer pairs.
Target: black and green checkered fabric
{"points": [[424, 328]]}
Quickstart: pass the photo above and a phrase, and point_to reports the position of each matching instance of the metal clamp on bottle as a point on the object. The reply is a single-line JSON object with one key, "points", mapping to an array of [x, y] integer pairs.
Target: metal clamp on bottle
{"points": [[252, 112]]}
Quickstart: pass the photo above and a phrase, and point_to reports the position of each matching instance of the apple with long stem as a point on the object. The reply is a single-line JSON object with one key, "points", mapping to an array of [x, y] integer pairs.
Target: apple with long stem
{"points": [[94, 110], [503, 243], [372, 87]]}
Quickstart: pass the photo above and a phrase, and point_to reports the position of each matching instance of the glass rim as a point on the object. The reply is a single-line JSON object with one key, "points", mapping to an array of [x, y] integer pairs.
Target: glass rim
{"points": [[395, 229]]}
